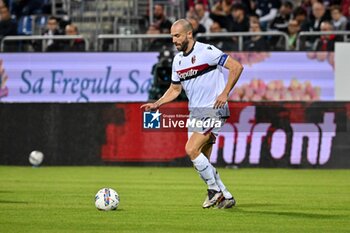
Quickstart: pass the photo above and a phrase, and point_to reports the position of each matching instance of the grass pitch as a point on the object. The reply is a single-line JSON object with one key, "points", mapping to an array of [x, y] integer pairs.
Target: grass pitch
{"points": [[61, 199]]}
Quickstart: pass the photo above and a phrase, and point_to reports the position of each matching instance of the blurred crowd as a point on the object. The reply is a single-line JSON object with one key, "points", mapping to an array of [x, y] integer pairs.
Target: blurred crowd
{"points": [[290, 17], [33, 17], [22, 17]]}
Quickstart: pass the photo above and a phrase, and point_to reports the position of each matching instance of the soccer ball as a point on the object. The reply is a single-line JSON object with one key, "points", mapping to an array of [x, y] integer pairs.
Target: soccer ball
{"points": [[106, 199], [36, 158]]}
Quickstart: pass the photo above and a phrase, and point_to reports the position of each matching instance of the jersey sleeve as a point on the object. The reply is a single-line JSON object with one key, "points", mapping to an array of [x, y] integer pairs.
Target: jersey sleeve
{"points": [[216, 56], [174, 76]]}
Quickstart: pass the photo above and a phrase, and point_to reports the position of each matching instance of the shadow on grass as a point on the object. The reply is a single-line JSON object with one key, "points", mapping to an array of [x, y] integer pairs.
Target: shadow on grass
{"points": [[111, 211], [6, 191], [12, 202], [259, 205], [241, 209]]}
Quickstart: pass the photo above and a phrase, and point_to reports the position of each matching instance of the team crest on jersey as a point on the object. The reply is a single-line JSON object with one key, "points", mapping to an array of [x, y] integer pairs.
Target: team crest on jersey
{"points": [[193, 59]]}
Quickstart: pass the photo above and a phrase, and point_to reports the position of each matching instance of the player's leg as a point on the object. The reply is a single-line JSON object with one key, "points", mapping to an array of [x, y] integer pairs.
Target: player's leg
{"points": [[229, 201], [193, 148], [206, 150]]}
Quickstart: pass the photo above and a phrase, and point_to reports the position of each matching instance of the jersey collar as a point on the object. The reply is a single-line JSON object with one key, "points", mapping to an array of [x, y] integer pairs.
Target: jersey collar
{"points": [[189, 52]]}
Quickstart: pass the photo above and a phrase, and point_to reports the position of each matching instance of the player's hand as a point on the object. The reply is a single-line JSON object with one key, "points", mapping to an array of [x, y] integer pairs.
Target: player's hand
{"points": [[150, 106], [220, 101]]}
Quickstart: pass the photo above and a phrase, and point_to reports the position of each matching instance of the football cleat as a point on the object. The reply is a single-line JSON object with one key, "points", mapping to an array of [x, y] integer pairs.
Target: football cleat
{"points": [[226, 203], [213, 198]]}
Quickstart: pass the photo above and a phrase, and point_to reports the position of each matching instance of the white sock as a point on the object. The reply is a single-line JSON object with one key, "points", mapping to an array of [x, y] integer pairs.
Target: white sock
{"points": [[205, 170], [221, 185]]}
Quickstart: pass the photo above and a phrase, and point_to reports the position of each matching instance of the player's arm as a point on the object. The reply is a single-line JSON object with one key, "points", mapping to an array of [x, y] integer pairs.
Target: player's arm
{"points": [[235, 69], [172, 93]]}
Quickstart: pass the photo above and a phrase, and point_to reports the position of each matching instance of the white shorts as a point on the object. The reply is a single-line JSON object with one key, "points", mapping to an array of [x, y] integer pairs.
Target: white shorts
{"points": [[213, 131], [207, 120]]}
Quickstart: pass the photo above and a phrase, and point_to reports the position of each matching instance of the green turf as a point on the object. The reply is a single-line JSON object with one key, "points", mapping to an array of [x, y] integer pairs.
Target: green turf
{"points": [[60, 199]]}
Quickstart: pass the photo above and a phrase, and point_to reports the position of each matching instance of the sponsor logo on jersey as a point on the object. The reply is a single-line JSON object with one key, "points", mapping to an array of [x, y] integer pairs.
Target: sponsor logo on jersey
{"points": [[194, 71], [189, 73]]}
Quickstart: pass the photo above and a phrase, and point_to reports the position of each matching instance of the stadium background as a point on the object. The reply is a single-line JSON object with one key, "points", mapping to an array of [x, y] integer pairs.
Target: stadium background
{"points": [[74, 73], [46, 87]]}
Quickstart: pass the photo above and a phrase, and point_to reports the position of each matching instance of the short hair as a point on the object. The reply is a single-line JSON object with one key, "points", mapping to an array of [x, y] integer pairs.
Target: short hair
{"points": [[200, 3], [299, 11], [319, 4], [52, 18], [327, 22], [254, 22], [335, 7], [73, 26], [216, 22], [237, 6], [288, 4], [293, 20], [158, 4], [185, 24], [253, 14]]}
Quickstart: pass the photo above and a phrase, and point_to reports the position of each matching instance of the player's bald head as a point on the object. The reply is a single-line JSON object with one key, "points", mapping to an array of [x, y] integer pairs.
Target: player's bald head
{"points": [[183, 24], [182, 34]]}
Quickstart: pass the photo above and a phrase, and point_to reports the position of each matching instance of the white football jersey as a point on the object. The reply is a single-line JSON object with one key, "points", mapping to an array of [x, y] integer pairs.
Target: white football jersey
{"points": [[200, 74]]}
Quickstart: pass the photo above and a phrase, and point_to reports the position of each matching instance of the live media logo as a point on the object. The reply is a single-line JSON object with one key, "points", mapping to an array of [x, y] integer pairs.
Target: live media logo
{"points": [[178, 121], [151, 120]]}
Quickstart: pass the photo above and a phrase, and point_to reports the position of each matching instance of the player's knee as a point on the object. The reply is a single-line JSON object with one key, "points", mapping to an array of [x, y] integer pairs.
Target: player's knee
{"points": [[192, 151]]}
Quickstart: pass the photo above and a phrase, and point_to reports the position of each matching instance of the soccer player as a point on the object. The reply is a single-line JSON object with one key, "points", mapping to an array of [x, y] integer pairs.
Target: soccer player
{"points": [[198, 69]]}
